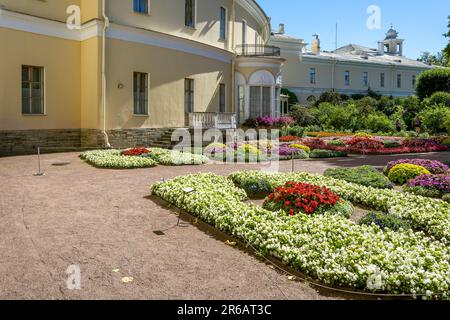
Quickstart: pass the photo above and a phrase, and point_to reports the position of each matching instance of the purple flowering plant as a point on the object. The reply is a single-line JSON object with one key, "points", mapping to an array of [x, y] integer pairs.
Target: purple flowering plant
{"points": [[433, 166]]}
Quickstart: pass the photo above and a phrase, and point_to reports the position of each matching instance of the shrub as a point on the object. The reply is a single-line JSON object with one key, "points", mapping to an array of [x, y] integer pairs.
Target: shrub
{"points": [[302, 198], [438, 98], [402, 173], [274, 121], [446, 197], [434, 118], [331, 97], [391, 144], [437, 184], [385, 221], [302, 115], [301, 147], [113, 159], [295, 131], [315, 143], [379, 123], [433, 166], [336, 143], [431, 81], [323, 154], [365, 175], [287, 152], [293, 99]]}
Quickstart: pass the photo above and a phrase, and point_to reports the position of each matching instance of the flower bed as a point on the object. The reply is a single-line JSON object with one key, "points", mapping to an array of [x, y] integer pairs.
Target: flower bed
{"points": [[365, 175], [302, 198], [140, 158], [329, 248], [433, 166], [402, 173], [429, 215], [435, 186], [324, 154]]}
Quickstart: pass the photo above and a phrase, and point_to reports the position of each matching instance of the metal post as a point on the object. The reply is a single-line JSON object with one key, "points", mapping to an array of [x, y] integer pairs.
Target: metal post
{"points": [[39, 173]]}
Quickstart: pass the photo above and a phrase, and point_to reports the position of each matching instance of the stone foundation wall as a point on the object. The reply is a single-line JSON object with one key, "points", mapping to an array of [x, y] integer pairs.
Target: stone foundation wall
{"points": [[21, 142]]}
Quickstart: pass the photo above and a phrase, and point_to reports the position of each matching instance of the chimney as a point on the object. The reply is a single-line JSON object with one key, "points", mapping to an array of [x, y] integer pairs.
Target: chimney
{"points": [[281, 28], [380, 48], [315, 45]]}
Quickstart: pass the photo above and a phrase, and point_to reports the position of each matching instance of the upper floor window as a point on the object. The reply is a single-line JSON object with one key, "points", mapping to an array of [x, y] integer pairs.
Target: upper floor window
{"points": [[141, 6], [140, 93], [32, 90], [414, 81], [347, 78], [190, 11], [366, 79], [312, 76], [223, 23], [399, 80], [382, 80]]}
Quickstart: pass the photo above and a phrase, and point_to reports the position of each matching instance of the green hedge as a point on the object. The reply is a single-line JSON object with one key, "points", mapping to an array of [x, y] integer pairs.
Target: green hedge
{"points": [[366, 175], [431, 81]]}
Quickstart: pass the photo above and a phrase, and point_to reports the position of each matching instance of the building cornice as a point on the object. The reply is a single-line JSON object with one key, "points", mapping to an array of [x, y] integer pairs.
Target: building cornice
{"points": [[260, 16]]}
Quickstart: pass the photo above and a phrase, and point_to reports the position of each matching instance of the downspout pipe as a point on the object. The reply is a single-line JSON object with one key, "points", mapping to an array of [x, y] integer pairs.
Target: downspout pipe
{"points": [[105, 28]]}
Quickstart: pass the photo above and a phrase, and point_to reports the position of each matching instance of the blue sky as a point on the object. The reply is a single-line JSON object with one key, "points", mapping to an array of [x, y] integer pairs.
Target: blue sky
{"points": [[420, 23]]}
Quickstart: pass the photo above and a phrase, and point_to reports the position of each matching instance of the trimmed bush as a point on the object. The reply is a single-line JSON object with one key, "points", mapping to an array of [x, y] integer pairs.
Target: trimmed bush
{"points": [[446, 197], [439, 98], [402, 173], [385, 221], [365, 175], [434, 118], [433, 166], [432, 81], [323, 154], [336, 143]]}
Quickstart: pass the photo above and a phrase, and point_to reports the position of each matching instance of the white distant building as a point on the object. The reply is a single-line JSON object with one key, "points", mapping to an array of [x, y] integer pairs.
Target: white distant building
{"points": [[351, 69]]}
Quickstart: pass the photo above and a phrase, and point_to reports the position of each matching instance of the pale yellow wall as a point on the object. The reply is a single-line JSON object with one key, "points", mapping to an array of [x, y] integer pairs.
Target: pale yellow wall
{"points": [[50, 9], [91, 84], [61, 60], [167, 69], [167, 16], [90, 9]]}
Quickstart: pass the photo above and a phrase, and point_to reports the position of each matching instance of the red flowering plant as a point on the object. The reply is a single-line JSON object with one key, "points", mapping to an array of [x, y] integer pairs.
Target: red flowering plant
{"points": [[365, 143], [315, 143], [135, 152], [302, 198], [289, 139]]}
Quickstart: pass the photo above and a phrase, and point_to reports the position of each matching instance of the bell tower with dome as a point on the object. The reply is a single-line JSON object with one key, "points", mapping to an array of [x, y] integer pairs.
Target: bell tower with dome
{"points": [[391, 45]]}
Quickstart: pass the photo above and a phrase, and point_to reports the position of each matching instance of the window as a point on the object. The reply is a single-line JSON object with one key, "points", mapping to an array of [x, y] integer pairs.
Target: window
{"points": [[190, 13], [366, 79], [189, 95], [140, 93], [241, 103], [347, 78], [223, 23], [312, 76], [223, 98], [414, 81], [32, 90], [260, 101], [141, 6], [382, 77], [399, 80]]}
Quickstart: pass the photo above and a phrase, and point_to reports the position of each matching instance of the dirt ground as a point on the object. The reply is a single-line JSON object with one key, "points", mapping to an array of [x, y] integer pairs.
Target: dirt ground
{"points": [[104, 222]]}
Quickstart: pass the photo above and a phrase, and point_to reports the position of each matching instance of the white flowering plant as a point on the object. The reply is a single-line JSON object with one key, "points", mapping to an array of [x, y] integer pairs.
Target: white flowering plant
{"points": [[328, 247]]}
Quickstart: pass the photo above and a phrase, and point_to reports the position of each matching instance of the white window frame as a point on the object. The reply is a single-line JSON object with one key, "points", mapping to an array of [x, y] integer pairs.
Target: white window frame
{"points": [[399, 80], [347, 77], [143, 13], [366, 79], [225, 38], [382, 80], [193, 95], [312, 75], [147, 107], [43, 92]]}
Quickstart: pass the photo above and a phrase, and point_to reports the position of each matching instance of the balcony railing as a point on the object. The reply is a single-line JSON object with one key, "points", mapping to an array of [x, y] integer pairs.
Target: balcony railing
{"points": [[212, 120], [252, 50]]}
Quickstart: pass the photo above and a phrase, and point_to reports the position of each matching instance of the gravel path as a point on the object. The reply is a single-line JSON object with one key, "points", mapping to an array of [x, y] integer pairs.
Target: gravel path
{"points": [[104, 222]]}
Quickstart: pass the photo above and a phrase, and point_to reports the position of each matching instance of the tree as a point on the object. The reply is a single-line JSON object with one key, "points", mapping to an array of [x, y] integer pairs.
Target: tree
{"points": [[432, 81], [438, 60], [293, 99], [447, 49]]}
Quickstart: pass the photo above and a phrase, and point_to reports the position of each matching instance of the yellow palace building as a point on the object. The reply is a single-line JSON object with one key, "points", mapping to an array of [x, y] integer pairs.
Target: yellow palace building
{"points": [[81, 73]]}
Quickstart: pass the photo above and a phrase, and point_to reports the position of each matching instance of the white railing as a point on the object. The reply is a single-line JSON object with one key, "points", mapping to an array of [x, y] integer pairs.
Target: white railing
{"points": [[212, 120]]}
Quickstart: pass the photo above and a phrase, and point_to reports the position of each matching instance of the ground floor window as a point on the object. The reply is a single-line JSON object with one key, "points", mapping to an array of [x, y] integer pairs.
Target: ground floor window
{"points": [[140, 93], [32, 90], [260, 101], [189, 95]]}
